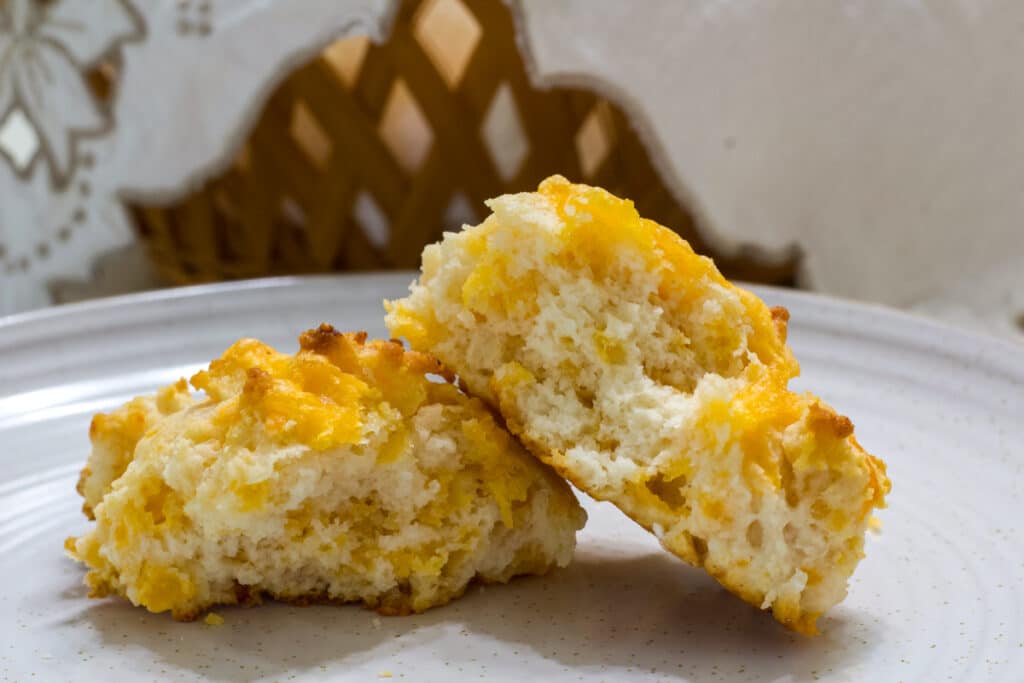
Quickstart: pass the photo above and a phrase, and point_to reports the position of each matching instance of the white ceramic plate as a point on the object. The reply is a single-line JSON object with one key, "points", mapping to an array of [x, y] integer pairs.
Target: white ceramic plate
{"points": [[938, 598]]}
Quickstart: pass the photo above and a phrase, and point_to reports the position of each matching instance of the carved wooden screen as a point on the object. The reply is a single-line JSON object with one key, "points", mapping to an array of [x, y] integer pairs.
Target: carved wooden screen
{"points": [[369, 152]]}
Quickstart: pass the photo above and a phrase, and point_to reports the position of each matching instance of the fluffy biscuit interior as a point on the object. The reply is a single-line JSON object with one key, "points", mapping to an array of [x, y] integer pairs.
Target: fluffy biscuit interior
{"points": [[632, 366], [346, 472]]}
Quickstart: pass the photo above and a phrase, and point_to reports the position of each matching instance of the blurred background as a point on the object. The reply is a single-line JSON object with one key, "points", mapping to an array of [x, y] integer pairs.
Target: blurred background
{"points": [[868, 150]]}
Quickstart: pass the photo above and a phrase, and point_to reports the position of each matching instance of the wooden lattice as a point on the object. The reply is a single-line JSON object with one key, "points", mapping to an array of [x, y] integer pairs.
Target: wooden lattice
{"points": [[369, 152]]}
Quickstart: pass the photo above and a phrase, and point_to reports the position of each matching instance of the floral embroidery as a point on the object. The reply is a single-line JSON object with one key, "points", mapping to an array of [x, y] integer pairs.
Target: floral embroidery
{"points": [[45, 104]]}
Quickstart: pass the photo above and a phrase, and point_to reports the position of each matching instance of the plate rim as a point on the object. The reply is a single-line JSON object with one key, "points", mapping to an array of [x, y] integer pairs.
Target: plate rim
{"points": [[183, 292], [192, 292]]}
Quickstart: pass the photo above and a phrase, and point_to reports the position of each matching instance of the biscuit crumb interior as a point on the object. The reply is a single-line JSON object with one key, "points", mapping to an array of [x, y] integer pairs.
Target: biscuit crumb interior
{"points": [[343, 473], [627, 361]]}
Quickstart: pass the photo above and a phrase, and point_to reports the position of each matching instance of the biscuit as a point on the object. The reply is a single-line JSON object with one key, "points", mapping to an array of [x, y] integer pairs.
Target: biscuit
{"points": [[352, 471], [628, 363]]}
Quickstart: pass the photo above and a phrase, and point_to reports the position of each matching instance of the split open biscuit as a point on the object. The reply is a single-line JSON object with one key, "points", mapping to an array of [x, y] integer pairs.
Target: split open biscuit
{"points": [[627, 362]]}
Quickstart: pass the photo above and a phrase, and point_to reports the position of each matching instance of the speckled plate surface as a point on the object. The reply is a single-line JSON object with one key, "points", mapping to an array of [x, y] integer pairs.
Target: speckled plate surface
{"points": [[938, 598]]}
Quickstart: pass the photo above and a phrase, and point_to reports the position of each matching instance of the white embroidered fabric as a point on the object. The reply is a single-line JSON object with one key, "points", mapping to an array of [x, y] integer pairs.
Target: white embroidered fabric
{"points": [[192, 75], [883, 139]]}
